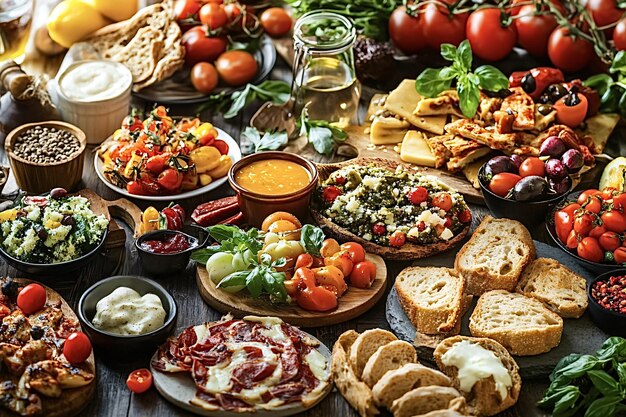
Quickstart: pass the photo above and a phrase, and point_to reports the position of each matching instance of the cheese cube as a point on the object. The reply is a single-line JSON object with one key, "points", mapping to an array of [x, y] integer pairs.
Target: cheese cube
{"points": [[388, 130], [416, 150], [403, 100]]}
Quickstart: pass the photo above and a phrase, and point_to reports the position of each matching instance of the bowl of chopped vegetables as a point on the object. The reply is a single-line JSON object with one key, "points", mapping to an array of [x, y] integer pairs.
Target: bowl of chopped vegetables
{"points": [[52, 233]]}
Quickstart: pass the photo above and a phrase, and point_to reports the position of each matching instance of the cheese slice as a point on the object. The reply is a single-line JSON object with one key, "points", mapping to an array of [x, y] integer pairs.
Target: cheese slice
{"points": [[416, 150], [388, 130], [403, 100]]}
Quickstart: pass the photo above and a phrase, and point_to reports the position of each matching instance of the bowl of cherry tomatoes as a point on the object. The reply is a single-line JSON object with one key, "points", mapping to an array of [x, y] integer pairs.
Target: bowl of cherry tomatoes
{"points": [[591, 228]]}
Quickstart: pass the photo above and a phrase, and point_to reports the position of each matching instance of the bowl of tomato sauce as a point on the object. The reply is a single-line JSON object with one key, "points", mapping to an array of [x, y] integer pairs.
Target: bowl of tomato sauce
{"points": [[164, 252]]}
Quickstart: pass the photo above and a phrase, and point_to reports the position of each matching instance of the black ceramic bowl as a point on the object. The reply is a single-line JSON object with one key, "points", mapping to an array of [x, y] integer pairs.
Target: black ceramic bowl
{"points": [[56, 268], [611, 322], [597, 267], [170, 263], [125, 343], [530, 213]]}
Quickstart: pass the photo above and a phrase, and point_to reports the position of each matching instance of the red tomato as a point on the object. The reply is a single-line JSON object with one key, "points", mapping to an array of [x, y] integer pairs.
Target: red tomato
{"points": [[406, 31], [619, 35], [610, 241], [532, 166], [170, 179], [330, 193], [620, 255], [157, 163], [31, 299], [77, 348], [236, 67], [572, 240], [502, 183], [534, 30], [418, 195], [213, 15], [582, 198], [604, 12], [583, 224], [490, 39], [397, 239], [185, 9], [363, 274], [568, 53], [589, 249], [571, 115], [233, 11], [276, 22], [134, 187], [204, 77], [597, 231], [221, 146], [619, 201], [139, 381], [355, 250], [607, 193], [442, 27], [614, 221], [379, 229], [594, 204], [201, 48], [443, 201], [563, 224], [465, 216]]}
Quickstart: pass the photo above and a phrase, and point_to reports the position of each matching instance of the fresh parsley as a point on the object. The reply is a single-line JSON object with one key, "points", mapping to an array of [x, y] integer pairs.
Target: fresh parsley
{"points": [[432, 82], [323, 135], [270, 141]]}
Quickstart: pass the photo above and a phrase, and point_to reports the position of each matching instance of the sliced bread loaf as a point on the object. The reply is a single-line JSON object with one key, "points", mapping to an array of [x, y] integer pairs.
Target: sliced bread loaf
{"points": [[484, 396], [495, 256], [423, 400], [560, 289], [431, 297], [394, 384], [523, 325], [387, 358], [364, 347]]}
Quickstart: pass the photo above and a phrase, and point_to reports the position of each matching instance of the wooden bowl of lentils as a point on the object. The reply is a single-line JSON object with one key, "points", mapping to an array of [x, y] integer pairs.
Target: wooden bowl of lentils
{"points": [[46, 155]]}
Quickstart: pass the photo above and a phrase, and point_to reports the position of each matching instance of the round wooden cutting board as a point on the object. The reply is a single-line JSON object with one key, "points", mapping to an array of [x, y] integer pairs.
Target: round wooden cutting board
{"points": [[352, 304]]}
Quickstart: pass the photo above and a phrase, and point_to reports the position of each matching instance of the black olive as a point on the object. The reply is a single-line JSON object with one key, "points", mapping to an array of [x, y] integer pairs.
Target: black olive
{"points": [[36, 332], [10, 288], [545, 98], [529, 84], [544, 109], [41, 232], [58, 193], [572, 99], [68, 220], [556, 91]]}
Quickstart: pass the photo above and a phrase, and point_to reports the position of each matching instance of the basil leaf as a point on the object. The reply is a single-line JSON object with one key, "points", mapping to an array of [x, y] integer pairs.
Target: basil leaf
{"points": [[235, 279], [273, 285], [565, 361], [613, 346], [448, 73], [202, 255], [254, 283], [221, 232], [567, 401], [576, 369], [448, 52], [556, 396], [322, 140], [311, 238], [599, 82], [620, 368], [604, 382], [430, 84], [464, 56], [469, 96], [619, 63], [491, 78], [603, 407]]}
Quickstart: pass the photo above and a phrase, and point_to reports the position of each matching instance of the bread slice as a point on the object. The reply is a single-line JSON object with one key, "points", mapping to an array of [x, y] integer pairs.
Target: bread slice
{"points": [[483, 399], [443, 413], [431, 297], [523, 325], [364, 347], [387, 358], [560, 289], [351, 388], [495, 256], [394, 384], [423, 400]]}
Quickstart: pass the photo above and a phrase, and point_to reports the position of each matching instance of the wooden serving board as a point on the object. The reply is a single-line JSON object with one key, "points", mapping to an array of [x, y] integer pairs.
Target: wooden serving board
{"points": [[352, 304], [579, 335], [72, 401]]}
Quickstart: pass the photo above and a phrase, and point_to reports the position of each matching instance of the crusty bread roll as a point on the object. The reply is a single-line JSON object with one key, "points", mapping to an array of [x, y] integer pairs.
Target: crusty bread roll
{"points": [[387, 358]]}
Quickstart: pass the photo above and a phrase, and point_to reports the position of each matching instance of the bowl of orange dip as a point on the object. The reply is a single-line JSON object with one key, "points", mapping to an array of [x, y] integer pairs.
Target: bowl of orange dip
{"points": [[267, 182]]}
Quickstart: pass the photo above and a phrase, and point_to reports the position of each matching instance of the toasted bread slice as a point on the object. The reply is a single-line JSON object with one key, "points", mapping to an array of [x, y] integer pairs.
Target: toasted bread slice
{"points": [[364, 347], [424, 400], [432, 297], [523, 325], [560, 289], [353, 390], [388, 357], [483, 396], [495, 256], [394, 384]]}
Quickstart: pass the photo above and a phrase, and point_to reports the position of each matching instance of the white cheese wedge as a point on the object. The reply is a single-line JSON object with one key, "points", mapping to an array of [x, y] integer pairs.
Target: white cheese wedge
{"points": [[388, 130], [403, 100], [416, 150]]}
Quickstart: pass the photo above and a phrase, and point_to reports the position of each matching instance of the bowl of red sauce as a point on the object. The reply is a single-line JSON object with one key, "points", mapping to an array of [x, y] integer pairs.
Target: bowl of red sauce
{"points": [[164, 252]]}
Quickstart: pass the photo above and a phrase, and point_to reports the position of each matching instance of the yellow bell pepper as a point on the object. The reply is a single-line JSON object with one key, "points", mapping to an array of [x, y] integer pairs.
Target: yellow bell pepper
{"points": [[203, 130], [205, 179], [72, 21], [6, 215], [205, 158], [222, 168], [150, 220], [116, 10], [134, 162]]}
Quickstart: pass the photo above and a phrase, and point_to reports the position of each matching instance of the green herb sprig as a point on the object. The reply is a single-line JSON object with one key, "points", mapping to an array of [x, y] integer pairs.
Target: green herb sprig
{"points": [[611, 89], [323, 135], [270, 141]]}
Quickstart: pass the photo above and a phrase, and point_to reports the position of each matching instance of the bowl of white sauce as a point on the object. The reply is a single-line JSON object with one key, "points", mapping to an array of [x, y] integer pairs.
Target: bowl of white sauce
{"points": [[127, 312], [95, 96]]}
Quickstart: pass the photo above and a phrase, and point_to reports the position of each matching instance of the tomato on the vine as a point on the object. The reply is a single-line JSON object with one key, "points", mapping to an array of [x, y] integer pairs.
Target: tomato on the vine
{"points": [[276, 21], [236, 67], [614, 221], [185, 9], [440, 26], [199, 47], [534, 30], [407, 31], [213, 15], [619, 35], [604, 12], [589, 249], [490, 38], [610, 241], [567, 52], [584, 196]]}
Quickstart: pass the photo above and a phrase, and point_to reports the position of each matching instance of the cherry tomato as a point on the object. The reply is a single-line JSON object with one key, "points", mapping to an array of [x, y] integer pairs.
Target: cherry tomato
{"points": [[583, 224], [77, 348], [568, 53], [204, 77], [213, 15], [619, 201], [571, 115], [589, 249], [610, 241], [330, 193], [614, 221], [619, 35], [233, 11], [221, 146], [442, 27], [490, 39], [236, 67], [532, 166], [157, 163], [607, 193], [134, 187], [329, 247], [597, 231], [418, 195], [619, 255], [582, 198], [276, 22], [604, 12], [139, 381], [185, 9], [379, 229], [397, 239], [201, 48], [594, 204], [502, 183], [572, 240], [355, 250], [363, 274], [564, 223], [31, 299], [406, 31], [534, 30], [465, 216], [170, 179], [304, 260], [443, 201]]}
